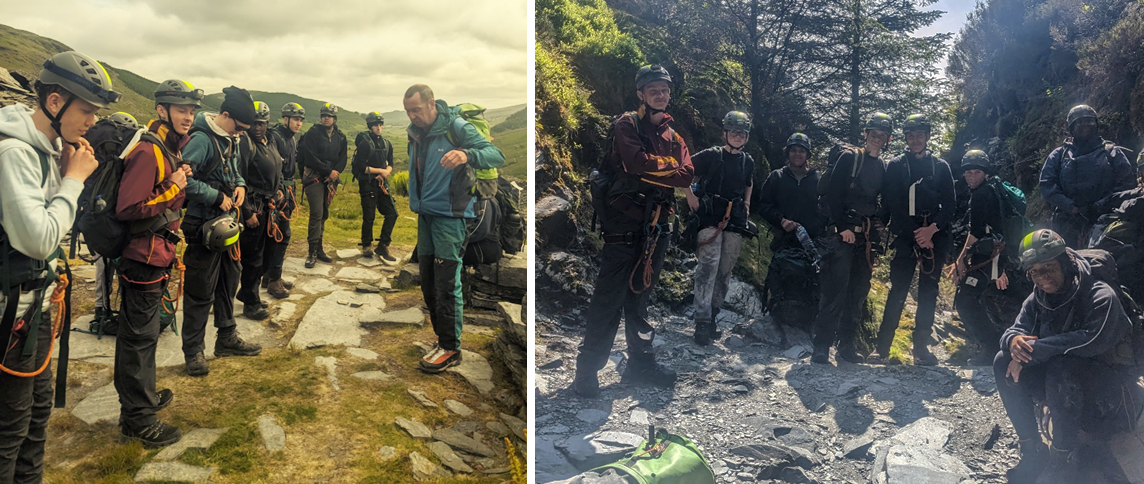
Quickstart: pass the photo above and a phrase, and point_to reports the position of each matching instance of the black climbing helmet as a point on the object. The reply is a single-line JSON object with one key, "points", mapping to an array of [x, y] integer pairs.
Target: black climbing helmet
{"points": [[651, 73], [1079, 112], [80, 75], [798, 139], [374, 118], [293, 110], [1040, 246], [976, 159], [261, 112], [328, 110], [916, 122], [178, 91], [881, 122], [737, 121], [123, 120], [221, 233]]}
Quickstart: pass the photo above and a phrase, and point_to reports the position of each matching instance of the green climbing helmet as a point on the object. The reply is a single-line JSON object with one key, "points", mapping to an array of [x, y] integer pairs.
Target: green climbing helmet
{"points": [[123, 120], [798, 139], [651, 73], [80, 75], [881, 122], [328, 110], [976, 159], [1079, 112], [178, 91], [261, 112], [1040, 246], [374, 118], [737, 121], [293, 110], [916, 122]]}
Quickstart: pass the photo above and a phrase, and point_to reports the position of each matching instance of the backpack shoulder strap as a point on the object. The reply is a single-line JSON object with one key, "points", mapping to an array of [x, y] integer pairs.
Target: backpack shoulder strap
{"points": [[859, 160], [455, 128], [215, 161]]}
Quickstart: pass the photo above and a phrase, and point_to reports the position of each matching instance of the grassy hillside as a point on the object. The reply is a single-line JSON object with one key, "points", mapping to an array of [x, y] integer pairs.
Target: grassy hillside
{"points": [[513, 143]]}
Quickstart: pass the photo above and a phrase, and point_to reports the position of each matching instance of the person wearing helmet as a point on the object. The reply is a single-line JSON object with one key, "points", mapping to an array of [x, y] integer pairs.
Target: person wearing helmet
{"points": [[214, 194], [123, 120], [919, 198], [989, 292], [851, 204], [1062, 351], [282, 135], [1079, 175], [152, 191], [443, 205], [44, 161], [261, 167], [788, 200], [649, 160], [724, 176], [373, 163], [323, 155]]}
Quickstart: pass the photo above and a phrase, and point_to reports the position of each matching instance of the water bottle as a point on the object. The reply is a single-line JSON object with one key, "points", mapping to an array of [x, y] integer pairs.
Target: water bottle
{"points": [[804, 239], [595, 174]]}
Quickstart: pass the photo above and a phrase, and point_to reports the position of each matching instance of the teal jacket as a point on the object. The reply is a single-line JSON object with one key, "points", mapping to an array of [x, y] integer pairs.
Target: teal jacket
{"points": [[205, 190], [435, 191]]}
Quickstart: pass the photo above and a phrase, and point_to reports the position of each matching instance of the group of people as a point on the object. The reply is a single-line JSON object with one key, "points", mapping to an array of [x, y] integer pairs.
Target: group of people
{"points": [[1030, 300], [223, 184]]}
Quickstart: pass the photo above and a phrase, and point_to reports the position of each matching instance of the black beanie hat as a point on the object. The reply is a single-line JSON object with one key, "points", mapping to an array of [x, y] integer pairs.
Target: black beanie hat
{"points": [[239, 104]]}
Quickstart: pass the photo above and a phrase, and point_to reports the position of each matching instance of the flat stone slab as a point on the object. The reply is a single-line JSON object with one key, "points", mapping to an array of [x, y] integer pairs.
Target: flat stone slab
{"points": [[367, 289], [446, 455], [331, 365], [424, 468], [458, 408], [195, 439], [102, 405], [357, 274], [370, 262], [416, 429], [476, 370], [410, 316], [372, 375], [273, 435], [173, 472], [362, 353], [348, 253], [462, 442], [330, 323], [387, 453], [297, 265], [318, 286], [421, 398], [517, 425], [908, 464], [591, 415], [594, 450], [285, 312]]}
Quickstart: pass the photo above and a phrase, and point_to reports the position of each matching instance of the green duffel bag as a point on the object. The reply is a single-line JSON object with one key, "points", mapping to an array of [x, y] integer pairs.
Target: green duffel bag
{"points": [[669, 459]]}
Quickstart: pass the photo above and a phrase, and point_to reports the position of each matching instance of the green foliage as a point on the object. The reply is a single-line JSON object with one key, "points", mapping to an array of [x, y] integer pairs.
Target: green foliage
{"points": [[399, 183], [586, 28]]}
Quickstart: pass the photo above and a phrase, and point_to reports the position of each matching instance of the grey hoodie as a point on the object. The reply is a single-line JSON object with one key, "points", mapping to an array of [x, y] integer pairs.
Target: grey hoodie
{"points": [[36, 216]]}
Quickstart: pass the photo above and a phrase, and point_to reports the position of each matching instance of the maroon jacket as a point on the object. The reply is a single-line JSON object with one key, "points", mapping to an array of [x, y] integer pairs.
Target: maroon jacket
{"points": [[664, 165], [146, 191]]}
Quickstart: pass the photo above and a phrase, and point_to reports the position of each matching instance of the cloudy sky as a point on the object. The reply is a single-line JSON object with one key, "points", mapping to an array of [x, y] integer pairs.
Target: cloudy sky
{"points": [[359, 54]]}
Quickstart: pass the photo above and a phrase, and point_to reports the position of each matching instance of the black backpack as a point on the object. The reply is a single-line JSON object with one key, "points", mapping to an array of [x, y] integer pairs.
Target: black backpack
{"points": [[482, 243], [836, 152], [603, 178], [510, 230], [1130, 350], [102, 230]]}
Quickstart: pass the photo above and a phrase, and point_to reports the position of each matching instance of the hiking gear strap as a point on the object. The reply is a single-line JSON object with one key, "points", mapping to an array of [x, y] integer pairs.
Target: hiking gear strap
{"points": [[651, 239], [719, 228]]}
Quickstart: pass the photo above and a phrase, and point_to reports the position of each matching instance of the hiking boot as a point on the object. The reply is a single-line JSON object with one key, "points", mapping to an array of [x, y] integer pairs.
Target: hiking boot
{"points": [[643, 369], [233, 345], [849, 354], [265, 282], [383, 254], [277, 290], [165, 396], [1034, 457], [439, 359], [311, 259], [923, 357], [197, 365], [255, 312], [703, 332], [366, 252], [1061, 468], [821, 356], [321, 255], [287, 284], [586, 384], [155, 435]]}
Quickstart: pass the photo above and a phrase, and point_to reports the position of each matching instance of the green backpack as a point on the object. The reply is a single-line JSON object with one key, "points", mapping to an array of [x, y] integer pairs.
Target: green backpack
{"points": [[667, 459], [486, 186]]}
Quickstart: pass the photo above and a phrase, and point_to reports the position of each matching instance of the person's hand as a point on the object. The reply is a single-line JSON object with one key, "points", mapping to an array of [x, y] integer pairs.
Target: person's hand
{"points": [[79, 163], [179, 178], [379, 178], [959, 269], [279, 198], [1003, 281], [252, 222], [187, 169], [1014, 371], [333, 175], [454, 159], [788, 225], [847, 236], [239, 195], [924, 236], [1021, 347], [226, 204], [692, 201]]}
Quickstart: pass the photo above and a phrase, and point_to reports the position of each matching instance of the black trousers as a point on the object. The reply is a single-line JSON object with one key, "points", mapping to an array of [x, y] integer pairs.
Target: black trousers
{"points": [[275, 253], [613, 299], [902, 269], [317, 196], [137, 340], [1081, 393], [211, 281], [986, 311], [845, 283], [254, 243], [25, 405], [373, 199]]}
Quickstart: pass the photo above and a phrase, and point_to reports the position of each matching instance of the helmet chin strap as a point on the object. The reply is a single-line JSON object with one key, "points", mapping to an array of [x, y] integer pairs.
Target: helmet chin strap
{"points": [[650, 111], [56, 125]]}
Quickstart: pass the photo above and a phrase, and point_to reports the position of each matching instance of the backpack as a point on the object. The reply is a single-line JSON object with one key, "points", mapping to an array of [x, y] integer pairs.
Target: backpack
{"points": [[1014, 224], [486, 186], [791, 290], [602, 182], [511, 230], [1130, 350], [666, 458], [482, 243], [836, 152], [102, 230]]}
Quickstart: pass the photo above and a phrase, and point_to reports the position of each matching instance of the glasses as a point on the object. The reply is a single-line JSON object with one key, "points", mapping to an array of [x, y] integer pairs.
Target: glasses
{"points": [[1042, 272], [737, 134]]}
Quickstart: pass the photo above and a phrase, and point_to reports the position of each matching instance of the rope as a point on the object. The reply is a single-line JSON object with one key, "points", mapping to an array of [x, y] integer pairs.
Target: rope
{"points": [[235, 251], [61, 307], [272, 228], [290, 190], [871, 259], [651, 238], [179, 295], [331, 191], [922, 254], [718, 228]]}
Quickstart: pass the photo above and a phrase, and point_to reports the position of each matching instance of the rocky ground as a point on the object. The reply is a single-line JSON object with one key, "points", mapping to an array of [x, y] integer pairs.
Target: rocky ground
{"points": [[321, 341], [756, 406]]}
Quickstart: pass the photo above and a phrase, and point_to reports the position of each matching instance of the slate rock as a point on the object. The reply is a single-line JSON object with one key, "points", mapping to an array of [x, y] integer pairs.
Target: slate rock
{"points": [[362, 353], [386, 453], [517, 425], [409, 276], [297, 265], [593, 450], [357, 274], [458, 408], [348, 253], [173, 472], [330, 364], [907, 464], [424, 468], [195, 439], [794, 475], [639, 417], [498, 429], [475, 369], [591, 415], [368, 262], [102, 405], [421, 398], [449, 458], [410, 316], [554, 221], [797, 352], [373, 375], [284, 313], [858, 447], [273, 435], [367, 289], [319, 286], [416, 429], [327, 323], [463, 443]]}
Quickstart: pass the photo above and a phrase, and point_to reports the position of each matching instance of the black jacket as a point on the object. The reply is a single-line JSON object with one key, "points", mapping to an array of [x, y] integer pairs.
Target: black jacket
{"points": [[726, 176], [849, 201], [287, 145], [784, 196], [322, 152], [933, 194], [260, 165], [371, 152]]}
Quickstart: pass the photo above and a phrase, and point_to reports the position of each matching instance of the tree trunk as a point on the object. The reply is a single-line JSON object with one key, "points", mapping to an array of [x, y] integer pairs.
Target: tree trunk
{"points": [[856, 75]]}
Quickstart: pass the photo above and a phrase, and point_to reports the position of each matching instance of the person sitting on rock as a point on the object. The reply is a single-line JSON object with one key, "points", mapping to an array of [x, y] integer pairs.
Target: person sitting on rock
{"points": [[724, 175], [1062, 351], [372, 165], [282, 135], [261, 168]]}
